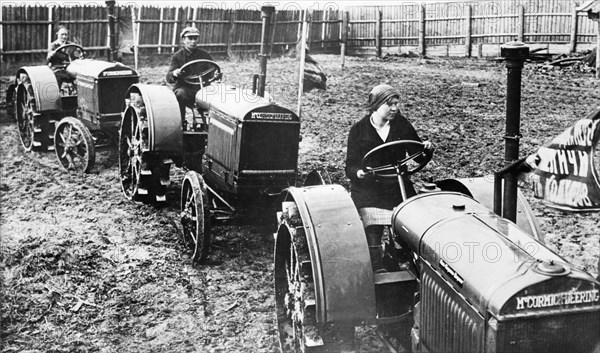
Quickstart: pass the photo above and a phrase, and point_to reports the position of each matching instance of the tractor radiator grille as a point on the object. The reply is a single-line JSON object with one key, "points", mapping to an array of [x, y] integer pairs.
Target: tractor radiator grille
{"points": [[111, 94], [448, 323], [578, 332], [269, 146]]}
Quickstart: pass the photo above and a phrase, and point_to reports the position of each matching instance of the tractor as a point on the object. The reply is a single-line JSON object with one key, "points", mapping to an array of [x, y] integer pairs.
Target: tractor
{"points": [[459, 277], [73, 108], [238, 147]]}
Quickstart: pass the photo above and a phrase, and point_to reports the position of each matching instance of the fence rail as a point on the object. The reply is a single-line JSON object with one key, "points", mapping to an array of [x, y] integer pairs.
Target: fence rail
{"points": [[463, 28]]}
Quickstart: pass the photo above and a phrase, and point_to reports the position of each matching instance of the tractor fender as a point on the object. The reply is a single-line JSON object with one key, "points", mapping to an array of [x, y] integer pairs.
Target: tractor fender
{"points": [[482, 190], [45, 87], [165, 133], [341, 264]]}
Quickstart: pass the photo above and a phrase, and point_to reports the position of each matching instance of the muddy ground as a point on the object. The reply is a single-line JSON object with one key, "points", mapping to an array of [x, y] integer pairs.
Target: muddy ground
{"points": [[85, 270]]}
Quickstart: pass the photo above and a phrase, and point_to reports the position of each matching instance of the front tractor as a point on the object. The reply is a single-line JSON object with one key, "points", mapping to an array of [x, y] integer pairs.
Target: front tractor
{"points": [[459, 277], [237, 147], [73, 108]]}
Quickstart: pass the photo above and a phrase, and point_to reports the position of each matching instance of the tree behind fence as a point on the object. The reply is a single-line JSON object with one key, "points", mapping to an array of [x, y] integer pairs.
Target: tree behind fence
{"points": [[455, 29]]}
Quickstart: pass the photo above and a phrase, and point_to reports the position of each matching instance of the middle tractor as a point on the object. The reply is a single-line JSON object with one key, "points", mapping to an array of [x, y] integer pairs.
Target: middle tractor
{"points": [[238, 146]]}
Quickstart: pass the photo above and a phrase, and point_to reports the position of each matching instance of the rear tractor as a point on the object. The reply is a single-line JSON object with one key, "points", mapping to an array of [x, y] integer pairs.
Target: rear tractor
{"points": [[73, 108]]}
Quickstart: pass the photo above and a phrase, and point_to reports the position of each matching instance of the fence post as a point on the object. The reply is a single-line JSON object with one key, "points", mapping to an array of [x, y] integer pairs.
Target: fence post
{"points": [[422, 48], [232, 18], [1, 38], [521, 33], [468, 32], [174, 41], [160, 29], [574, 24], [378, 34], [598, 49], [344, 34], [50, 20]]}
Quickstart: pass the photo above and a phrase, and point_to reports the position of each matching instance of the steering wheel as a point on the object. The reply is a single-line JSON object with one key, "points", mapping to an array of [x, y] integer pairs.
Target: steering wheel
{"points": [[70, 52], [200, 72], [395, 153]]}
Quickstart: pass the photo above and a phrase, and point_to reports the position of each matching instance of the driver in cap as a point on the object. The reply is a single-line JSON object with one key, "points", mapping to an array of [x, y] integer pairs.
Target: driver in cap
{"points": [[185, 92]]}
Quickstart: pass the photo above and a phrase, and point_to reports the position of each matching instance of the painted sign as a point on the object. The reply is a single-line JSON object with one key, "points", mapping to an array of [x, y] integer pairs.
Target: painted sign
{"points": [[568, 168]]}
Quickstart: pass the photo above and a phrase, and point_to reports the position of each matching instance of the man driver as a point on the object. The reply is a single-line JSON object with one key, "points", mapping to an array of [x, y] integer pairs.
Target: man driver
{"points": [[185, 92]]}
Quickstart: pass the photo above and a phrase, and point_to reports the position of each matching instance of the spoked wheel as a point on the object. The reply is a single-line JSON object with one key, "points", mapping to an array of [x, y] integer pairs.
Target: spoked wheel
{"points": [[144, 174], [195, 216], [74, 145], [35, 129], [295, 291]]}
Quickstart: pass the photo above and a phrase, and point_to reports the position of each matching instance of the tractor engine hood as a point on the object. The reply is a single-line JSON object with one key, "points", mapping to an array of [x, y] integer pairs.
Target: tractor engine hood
{"points": [[489, 260]]}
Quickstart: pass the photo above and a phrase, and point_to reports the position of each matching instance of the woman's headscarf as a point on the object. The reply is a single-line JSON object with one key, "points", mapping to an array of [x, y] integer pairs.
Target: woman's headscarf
{"points": [[380, 95]]}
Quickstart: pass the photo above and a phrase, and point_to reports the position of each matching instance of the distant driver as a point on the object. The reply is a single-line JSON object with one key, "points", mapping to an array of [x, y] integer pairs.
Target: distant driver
{"points": [[185, 92]]}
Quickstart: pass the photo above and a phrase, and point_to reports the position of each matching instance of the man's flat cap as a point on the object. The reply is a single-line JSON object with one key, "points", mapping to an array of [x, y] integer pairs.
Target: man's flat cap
{"points": [[190, 31]]}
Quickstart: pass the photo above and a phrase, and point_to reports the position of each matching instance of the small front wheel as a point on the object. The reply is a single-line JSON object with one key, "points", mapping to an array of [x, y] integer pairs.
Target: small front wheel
{"points": [[74, 145], [195, 215]]}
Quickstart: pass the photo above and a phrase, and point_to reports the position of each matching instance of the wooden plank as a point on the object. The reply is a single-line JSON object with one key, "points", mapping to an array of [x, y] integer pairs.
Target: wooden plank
{"points": [[378, 34], [468, 30], [521, 24], [422, 48], [573, 39]]}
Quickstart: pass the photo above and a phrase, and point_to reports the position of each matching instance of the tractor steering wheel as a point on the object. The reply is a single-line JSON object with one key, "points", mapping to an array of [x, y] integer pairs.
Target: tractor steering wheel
{"points": [[70, 52], [200, 72], [394, 152]]}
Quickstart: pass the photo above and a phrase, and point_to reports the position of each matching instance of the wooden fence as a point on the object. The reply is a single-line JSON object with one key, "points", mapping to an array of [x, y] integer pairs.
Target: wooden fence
{"points": [[468, 28], [454, 29]]}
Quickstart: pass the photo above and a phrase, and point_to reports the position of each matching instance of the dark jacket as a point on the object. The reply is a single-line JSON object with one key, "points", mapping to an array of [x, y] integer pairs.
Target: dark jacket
{"points": [[362, 138], [180, 58]]}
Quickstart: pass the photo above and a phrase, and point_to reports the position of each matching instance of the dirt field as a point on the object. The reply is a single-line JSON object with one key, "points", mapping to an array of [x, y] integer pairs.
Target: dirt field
{"points": [[85, 270]]}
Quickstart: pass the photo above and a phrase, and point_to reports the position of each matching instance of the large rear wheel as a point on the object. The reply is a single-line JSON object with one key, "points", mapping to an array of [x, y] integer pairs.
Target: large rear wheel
{"points": [[74, 145], [144, 173], [36, 130], [295, 298], [195, 215]]}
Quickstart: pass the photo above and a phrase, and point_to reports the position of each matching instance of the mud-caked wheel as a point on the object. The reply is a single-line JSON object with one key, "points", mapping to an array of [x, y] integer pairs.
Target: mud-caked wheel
{"points": [[144, 174], [195, 216], [74, 145], [295, 300], [36, 129]]}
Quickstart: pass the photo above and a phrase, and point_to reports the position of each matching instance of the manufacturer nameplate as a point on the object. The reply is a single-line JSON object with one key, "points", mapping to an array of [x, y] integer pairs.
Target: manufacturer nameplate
{"points": [[271, 116], [452, 273], [556, 299], [117, 73]]}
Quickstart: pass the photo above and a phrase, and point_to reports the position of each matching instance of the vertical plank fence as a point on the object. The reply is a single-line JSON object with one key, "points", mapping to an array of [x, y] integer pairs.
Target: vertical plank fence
{"points": [[433, 29]]}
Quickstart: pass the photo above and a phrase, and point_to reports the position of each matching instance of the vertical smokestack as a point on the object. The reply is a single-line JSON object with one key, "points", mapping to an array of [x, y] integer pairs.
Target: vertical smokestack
{"points": [[515, 54], [267, 13]]}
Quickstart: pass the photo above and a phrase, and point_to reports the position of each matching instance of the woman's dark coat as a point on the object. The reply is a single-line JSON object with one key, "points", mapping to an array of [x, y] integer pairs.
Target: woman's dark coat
{"points": [[362, 138]]}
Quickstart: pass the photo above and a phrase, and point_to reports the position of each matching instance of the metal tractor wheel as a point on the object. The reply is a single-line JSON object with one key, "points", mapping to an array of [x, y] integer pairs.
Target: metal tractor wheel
{"points": [[35, 129], [74, 145], [295, 291], [144, 174], [195, 215]]}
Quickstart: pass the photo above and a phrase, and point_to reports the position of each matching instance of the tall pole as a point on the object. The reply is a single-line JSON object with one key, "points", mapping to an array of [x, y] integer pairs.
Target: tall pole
{"points": [[110, 4], [303, 40], [515, 54], [266, 13]]}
